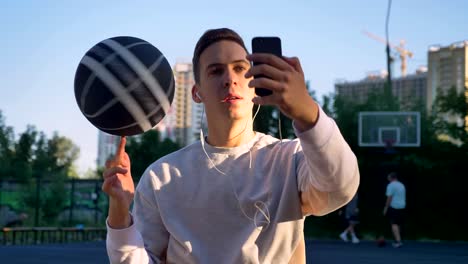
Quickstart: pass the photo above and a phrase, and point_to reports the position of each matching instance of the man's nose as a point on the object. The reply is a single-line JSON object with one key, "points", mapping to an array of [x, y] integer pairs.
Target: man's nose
{"points": [[230, 79]]}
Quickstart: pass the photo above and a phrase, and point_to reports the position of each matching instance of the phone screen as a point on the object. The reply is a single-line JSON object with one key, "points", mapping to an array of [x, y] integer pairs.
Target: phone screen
{"points": [[270, 45]]}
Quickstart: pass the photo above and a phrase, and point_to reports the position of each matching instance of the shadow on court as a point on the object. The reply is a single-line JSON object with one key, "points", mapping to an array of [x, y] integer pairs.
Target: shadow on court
{"points": [[318, 252]]}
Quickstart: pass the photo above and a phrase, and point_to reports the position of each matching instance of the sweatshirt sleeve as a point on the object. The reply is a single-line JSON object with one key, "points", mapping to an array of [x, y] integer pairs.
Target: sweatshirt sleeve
{"points": [[146, 240], [327, 169], [125, 245]]}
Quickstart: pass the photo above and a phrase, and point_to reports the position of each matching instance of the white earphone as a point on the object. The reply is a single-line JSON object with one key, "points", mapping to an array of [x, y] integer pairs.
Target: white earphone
{"points": [[198, 95], [261, 217]]}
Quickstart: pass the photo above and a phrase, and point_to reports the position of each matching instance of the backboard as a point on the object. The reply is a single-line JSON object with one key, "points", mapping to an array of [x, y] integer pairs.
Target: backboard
{"points": [[386, 129]]}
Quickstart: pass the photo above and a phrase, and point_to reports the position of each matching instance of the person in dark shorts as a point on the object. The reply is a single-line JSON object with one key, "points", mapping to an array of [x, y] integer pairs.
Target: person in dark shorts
{"points": [[395, 216], [17, 220], [395, 206], [352, 219]]}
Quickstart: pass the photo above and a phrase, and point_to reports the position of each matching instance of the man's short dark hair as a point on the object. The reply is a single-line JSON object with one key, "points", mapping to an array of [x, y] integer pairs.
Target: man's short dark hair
{"points": [[210, 37], [393, 175]]}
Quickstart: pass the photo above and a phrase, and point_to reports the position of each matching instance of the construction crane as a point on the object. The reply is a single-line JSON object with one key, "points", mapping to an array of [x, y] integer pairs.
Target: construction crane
{"points": [[402, 52]]}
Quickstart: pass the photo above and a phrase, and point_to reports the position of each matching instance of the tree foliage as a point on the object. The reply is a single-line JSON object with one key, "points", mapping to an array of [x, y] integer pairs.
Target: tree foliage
{"points": [[34, 155], [6, 147], [147, 148], [271, 121], [33, 158], [450, 109]]}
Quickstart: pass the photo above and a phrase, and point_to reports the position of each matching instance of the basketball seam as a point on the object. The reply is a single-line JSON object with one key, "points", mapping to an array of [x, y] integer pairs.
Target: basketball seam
{"points": [[142, 72], [119, 91], [91, 78]]}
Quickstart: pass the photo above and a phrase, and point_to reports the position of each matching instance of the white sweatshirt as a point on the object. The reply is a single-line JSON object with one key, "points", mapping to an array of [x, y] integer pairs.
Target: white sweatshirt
{"points": [[186, 211]]}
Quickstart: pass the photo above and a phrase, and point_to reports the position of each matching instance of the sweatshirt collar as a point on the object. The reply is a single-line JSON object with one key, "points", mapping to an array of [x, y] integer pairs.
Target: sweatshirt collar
{"points": [[233, 150]]}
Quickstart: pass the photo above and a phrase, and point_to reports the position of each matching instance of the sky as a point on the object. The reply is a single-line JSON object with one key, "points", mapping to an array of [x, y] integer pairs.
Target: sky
{"points": [[42, 43]]}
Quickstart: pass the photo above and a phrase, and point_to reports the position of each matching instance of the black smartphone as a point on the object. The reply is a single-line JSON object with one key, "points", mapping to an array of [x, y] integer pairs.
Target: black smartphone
{"points": [[265, 45]]}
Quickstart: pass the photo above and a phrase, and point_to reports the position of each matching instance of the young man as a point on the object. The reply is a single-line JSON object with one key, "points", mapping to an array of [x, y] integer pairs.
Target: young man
{"points": [[236, 196], [395, 206]]}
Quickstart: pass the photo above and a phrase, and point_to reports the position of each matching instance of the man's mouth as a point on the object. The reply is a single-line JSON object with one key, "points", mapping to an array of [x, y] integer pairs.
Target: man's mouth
{"points": [[230, 98]]}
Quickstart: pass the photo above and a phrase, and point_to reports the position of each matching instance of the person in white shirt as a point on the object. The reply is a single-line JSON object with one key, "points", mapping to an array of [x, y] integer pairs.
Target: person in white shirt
{"points": [[395, 205], [235, 196]]}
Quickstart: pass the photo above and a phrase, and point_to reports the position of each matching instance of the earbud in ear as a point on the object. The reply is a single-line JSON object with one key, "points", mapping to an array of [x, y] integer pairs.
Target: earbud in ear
{"points": [[198, 95]]}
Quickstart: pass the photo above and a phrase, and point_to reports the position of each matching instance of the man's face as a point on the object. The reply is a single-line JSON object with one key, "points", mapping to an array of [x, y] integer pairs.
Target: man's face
{"points": [[222, 86]]}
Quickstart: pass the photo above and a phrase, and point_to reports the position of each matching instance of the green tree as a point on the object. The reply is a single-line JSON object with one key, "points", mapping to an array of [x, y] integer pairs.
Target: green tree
{"points": [[41, 163], [450, 109], [33, 156], [263, 120], [6, 148], [51, 165], [271, 121], [147, 148], [267, 122], [23, 155], [62, 153], [327, 104], [54, 200]]}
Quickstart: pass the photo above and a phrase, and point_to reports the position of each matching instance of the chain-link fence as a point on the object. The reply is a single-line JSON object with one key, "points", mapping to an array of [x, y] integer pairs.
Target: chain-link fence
{"points": [[70, 203]]}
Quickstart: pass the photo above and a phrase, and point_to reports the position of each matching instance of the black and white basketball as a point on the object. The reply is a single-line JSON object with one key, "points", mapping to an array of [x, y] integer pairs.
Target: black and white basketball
{"points": [[124, 86]]}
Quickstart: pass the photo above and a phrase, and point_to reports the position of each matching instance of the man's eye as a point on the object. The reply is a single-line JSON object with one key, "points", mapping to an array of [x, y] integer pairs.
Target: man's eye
{"points": [[216, 71], [239, 68]]}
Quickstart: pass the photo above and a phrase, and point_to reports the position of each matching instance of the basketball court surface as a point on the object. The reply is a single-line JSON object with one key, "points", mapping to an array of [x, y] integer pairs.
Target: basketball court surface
{"points": [[318, 252]]}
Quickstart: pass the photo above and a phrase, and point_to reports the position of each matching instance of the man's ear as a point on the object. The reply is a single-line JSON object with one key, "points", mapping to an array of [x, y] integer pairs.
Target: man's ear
{"points": [[196, 97]]}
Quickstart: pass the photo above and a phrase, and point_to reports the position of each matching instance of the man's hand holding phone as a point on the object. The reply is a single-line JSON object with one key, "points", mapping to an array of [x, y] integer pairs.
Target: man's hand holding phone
{"points": [[284, 77]]}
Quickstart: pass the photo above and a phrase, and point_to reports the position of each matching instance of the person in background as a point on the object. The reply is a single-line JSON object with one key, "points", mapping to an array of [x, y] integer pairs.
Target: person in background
{"points": [[352, 219], [395, 206], [17, 220]]}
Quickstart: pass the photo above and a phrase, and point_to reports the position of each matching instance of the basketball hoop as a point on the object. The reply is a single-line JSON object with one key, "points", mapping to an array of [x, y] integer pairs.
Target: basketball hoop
{"points": [[375, 128], [389, 146], [389, 143]]}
